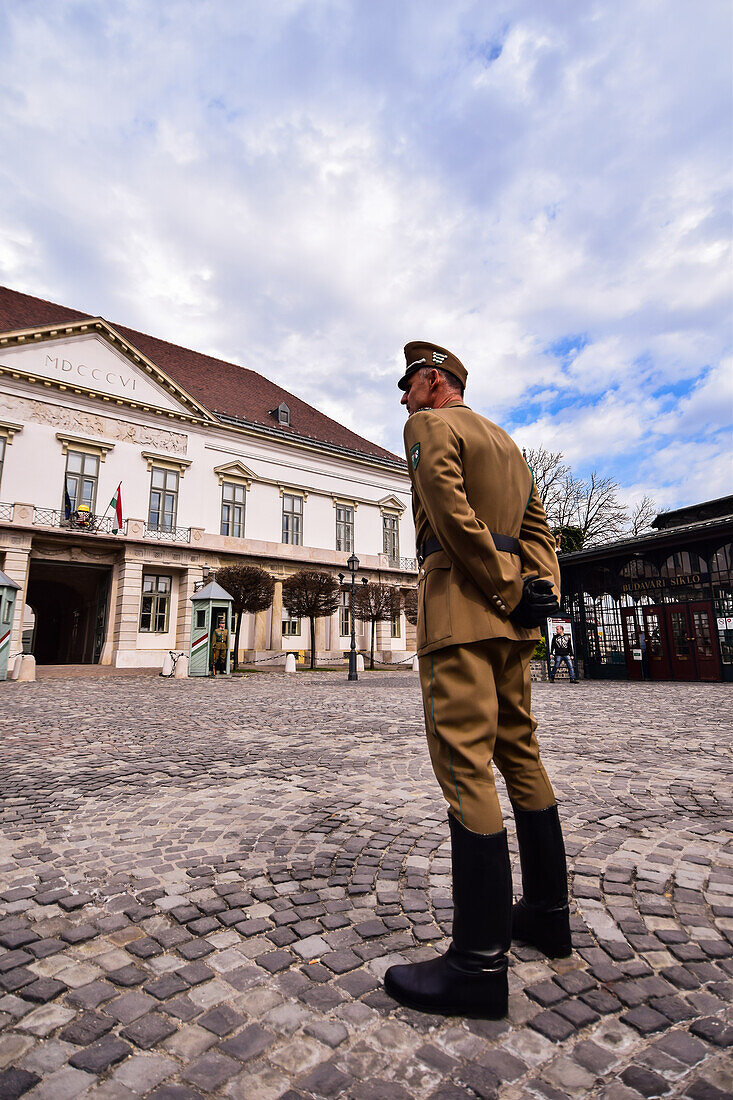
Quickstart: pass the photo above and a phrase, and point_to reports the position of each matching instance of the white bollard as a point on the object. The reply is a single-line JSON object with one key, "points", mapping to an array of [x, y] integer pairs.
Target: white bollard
{"points": [[27, 672], [359, 663], [290, 662], [15, 670], [180, 672], [167, 665], [415, 664]]}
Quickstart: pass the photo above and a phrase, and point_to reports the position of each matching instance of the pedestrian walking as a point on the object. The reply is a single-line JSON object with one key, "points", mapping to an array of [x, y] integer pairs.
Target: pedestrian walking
{"points": [[644, 655], [561, 650], [488, 577]]}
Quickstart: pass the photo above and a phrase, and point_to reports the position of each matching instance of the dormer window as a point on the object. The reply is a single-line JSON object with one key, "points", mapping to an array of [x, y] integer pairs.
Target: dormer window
{"points": [[282, 414]]}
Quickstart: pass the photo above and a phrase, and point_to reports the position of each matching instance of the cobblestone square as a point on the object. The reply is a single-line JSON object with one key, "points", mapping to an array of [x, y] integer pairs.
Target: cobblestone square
{"points": [[203, 882]]}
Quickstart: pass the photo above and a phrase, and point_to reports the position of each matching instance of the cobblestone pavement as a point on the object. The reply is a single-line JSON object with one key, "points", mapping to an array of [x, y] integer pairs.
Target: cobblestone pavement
{"points": [[203, 882]]}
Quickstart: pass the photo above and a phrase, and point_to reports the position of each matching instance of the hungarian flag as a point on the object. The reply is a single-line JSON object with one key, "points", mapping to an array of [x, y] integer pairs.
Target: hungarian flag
{"points": [[116, 504]]}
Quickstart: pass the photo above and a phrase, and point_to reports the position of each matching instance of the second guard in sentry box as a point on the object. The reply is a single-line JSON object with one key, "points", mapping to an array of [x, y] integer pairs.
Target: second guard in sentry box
{"points": [[488, 577]]}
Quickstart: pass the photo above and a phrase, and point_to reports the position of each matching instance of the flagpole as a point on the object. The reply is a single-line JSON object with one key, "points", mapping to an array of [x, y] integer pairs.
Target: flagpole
{"points": [[113, 501]]}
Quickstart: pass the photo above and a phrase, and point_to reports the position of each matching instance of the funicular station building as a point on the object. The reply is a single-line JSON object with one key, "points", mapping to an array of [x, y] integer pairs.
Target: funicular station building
{"points": [[674, 584], [218, 466]]}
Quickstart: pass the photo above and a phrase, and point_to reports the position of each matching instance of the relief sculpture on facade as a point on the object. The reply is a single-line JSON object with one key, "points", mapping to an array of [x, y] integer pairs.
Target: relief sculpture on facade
{"points": [[91, 424]]}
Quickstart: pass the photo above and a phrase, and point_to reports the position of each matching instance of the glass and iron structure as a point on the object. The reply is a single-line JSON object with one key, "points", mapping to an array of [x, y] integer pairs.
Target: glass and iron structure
{"points": [[657, 606]]}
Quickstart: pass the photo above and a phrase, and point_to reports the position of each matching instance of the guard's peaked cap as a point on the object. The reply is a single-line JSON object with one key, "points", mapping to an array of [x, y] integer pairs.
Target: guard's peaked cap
{"points": [[418, 354]]}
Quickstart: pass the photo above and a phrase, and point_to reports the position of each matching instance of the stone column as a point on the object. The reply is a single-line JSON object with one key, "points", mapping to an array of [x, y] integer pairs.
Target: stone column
{"points": [[17, 566], [186, 582], [106, 656], [320, 638], [383, 640], [260, 643], [127, 611], [276, 624], [334, 647]]}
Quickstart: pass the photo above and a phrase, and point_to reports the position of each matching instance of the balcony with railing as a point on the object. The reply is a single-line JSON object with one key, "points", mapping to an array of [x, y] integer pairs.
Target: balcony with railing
{"points": [[166, 533], [77, 521], [6, 511], [406, 565]]}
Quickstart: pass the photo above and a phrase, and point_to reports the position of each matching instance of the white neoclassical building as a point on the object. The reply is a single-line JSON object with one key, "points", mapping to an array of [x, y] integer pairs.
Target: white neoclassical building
{"points": [[216, 464]]}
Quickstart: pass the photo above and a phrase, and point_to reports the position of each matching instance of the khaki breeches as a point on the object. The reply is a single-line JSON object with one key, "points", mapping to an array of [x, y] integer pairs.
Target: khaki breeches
{"points": [[477, 710]]}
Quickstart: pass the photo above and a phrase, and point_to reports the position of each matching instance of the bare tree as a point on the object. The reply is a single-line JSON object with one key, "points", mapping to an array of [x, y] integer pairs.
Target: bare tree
{"points": [[251, 589], [600, 514], [579, 512], [642, 515], [311, 595], [410, 605], [373, 603], [550, 477]]}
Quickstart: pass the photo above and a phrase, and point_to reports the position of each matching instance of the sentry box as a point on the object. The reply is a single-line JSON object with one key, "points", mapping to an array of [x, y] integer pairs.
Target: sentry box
{"points": [[8, 593], [209, 605]]}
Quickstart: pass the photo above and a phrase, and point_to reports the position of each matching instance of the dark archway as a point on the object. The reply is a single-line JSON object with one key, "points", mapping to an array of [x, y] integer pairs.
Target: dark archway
{"points": [[70, 604]]}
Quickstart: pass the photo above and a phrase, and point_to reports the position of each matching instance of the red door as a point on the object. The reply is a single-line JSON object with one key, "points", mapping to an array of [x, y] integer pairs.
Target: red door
{"points": [[703, 640], [632, 648], [681, 647], [656, 644]]}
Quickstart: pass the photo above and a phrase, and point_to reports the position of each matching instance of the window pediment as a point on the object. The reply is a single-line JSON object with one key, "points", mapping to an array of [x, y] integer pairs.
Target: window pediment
{"points": [[168, 462], [8, 430], [391, 504], [236, 472], [292, 490], [83, 443]]}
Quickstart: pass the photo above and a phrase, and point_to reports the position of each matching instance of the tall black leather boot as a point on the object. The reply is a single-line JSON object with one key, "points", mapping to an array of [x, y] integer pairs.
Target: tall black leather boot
{"points": [[542, 918], [471, 978]]}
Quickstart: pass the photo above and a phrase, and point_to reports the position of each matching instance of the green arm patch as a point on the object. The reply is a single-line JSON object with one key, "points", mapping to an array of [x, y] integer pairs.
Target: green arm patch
{"points": [[415, 455]]}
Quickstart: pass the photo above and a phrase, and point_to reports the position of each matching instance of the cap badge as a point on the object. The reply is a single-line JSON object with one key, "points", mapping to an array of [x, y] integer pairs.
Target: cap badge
{"points": [[415, 455], [438, 357]]}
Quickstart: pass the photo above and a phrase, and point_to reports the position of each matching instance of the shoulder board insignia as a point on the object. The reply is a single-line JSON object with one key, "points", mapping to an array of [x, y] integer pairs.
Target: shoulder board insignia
{"points": [[415, 455]]}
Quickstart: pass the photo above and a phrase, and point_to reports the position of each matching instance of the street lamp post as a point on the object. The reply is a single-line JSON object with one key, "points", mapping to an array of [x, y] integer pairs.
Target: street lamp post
{"points": [[352, 565]]}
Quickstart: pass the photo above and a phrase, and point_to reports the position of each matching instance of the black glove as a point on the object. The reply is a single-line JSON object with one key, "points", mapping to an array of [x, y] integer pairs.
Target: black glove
{"points": [[538, 603]]}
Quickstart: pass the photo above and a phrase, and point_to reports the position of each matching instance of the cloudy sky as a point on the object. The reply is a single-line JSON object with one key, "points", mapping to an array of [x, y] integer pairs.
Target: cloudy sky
{"points": [[302, 186]]}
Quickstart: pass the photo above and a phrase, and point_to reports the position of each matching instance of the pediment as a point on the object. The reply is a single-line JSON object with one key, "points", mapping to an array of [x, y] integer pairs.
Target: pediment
{"points": [[92, 358], [235, 471], [391, 504]]}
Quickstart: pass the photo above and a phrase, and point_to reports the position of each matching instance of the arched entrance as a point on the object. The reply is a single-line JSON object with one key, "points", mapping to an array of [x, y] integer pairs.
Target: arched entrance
{"points": [[70, 602]]}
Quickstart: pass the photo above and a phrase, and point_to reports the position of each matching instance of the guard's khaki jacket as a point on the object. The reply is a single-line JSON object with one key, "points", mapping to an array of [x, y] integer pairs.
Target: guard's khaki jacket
{"points": [[469, 479]]}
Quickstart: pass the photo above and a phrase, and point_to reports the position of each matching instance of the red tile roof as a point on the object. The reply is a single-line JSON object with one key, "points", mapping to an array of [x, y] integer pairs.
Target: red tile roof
{"points": [[221, 387]]}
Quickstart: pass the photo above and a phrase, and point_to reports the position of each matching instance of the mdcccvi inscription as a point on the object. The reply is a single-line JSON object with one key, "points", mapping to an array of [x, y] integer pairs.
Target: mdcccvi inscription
{"points": [[89, 361], [95, 374]]}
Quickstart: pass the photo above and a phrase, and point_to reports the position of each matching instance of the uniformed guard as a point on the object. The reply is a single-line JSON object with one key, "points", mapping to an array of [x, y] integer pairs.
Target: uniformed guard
{"points": [[219, 645], [488, 577]]}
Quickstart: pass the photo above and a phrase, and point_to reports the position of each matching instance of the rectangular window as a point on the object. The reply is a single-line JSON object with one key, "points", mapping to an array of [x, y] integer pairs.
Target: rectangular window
{"points": [[292, 519], [3, 442], [163, 499], [82, 473], [232, 509], [155, 605], [8, 611], [391, 538], [345, 615], [291, 628], [345, 528], [397, 625]]}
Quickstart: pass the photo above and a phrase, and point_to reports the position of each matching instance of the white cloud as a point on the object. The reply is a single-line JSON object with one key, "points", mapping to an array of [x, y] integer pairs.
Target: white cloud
{"points": [[303, 187]]}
